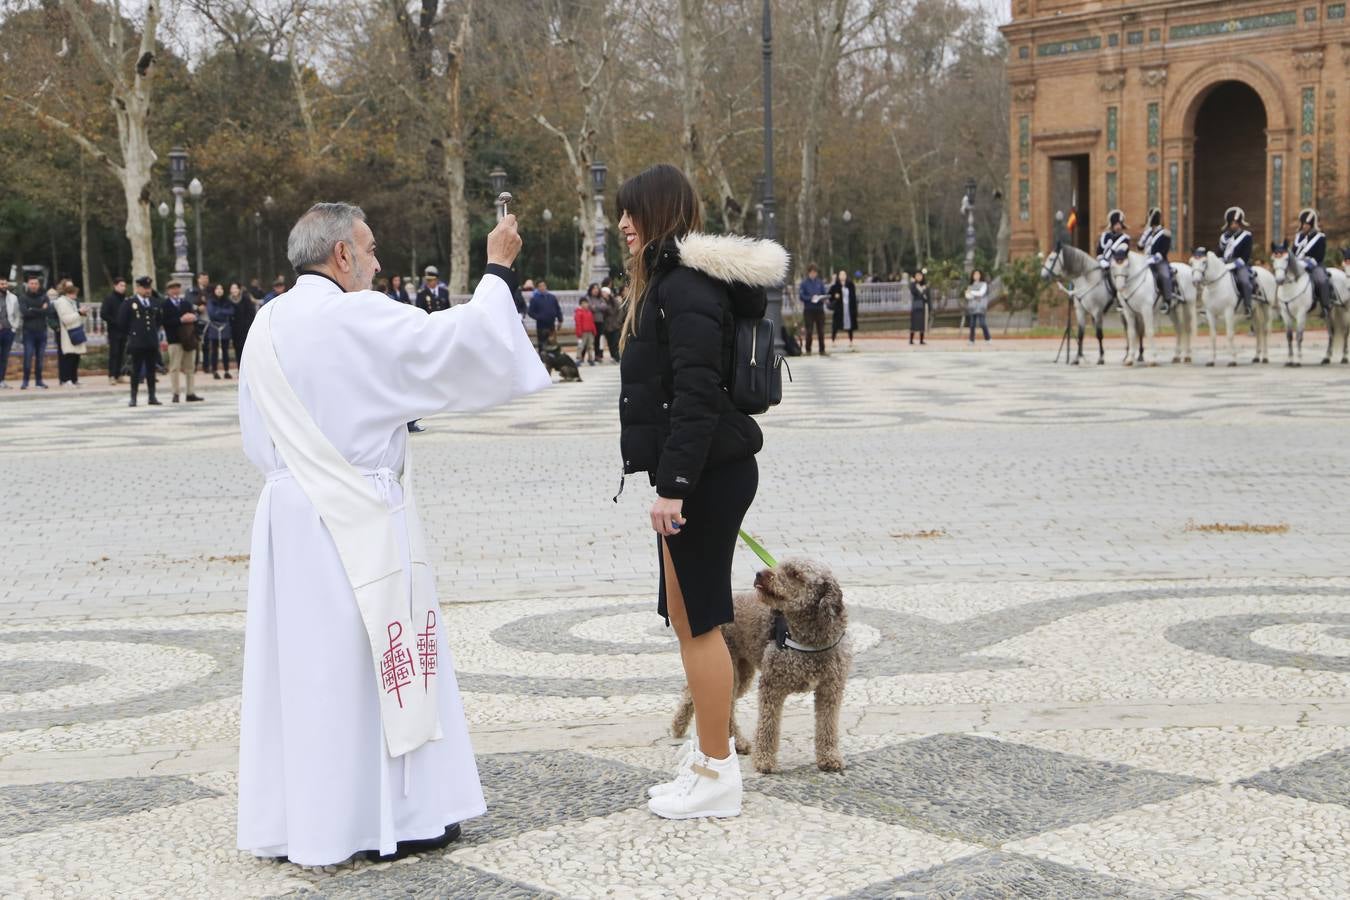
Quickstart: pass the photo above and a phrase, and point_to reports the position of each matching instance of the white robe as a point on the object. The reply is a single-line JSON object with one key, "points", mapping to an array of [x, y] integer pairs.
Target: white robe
{"points": [[316, 782]]}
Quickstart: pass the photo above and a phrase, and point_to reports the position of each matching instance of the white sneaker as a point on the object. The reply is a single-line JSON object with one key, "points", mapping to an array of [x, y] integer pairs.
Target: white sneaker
{"points": [[707, 788], [687, 751]]}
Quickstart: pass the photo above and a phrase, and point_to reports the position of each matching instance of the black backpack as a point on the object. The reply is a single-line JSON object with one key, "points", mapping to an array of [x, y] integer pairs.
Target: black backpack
{"points": [[755, 381]]}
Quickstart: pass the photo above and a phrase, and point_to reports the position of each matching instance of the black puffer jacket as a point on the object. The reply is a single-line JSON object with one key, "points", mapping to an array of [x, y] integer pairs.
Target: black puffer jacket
{"points": [[675, 414]]}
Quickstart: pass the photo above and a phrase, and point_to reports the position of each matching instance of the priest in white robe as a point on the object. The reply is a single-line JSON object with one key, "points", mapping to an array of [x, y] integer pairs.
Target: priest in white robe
{"points": [[352, 737]]}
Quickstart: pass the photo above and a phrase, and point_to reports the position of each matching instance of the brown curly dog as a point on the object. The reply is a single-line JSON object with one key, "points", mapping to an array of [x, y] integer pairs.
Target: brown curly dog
{"points": [[809, 597]]}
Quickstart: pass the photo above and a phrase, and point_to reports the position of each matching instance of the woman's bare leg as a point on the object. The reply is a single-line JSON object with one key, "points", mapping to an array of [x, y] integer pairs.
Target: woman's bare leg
{"points": [[707, 668]]}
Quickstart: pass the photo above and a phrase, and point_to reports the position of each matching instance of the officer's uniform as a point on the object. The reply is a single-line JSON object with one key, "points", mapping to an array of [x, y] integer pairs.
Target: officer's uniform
{"points": [[1156, 243], [1310, 248], [140, 321], [1109, 243], [1235, 245], [434, 299]]}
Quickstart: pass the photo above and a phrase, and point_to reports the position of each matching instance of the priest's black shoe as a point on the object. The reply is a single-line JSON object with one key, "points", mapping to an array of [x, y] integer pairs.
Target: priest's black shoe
{"points": [[408, 848], [154, 402], [193, 398]]}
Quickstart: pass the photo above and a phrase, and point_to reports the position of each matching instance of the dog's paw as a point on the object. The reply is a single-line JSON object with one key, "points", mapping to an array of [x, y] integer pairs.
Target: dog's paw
{"points": [[830, 763], [763, 764], [742, 746]]}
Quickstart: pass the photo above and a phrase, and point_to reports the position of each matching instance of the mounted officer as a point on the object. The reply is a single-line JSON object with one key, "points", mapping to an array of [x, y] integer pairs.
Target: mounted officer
{"points": [[1156, 243], [1235, 245], [1112, 242], [1310, 247]]}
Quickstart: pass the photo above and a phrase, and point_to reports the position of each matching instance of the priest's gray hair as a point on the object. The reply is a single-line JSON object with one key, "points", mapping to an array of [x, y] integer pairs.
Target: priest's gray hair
{"points": [[316, 234]]}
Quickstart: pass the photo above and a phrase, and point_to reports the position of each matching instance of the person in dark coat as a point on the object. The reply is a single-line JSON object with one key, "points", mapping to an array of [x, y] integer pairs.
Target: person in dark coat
{"points": [[920, 303], [33, 306], [140, 321], [244, 310], [219, 330], [678, 424], [844, 305], [111, 313], [546, 312], [434, 296]]}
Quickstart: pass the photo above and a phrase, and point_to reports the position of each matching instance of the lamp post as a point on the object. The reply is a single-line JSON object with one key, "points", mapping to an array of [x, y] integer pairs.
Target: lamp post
{"points": [[178, 179], [576, 249], [599, 259], [548, 250], [774, 311], [848, 240], [759, 205], [257, 243], [968, 207], [195, 190], [163, 234], [497, 177], [269, 204]]}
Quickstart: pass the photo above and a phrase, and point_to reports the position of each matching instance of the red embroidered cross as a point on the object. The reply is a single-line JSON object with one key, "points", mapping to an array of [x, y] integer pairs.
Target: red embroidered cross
{"points": [[396, 665], [426, 649]]}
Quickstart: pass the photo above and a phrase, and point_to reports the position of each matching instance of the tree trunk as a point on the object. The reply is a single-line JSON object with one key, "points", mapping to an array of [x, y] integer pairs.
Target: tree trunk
{"points": [[456, 152], [86, 284], [138, 159], [826, 66], [458, 280], [689, 60]]}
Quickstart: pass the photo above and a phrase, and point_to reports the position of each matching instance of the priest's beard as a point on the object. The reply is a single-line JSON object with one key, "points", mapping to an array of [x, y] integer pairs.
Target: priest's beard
{"points": [[361, 276]]}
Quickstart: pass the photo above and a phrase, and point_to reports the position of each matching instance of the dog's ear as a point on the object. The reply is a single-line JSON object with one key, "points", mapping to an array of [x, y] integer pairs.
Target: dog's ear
{"points": [[831, 598]]}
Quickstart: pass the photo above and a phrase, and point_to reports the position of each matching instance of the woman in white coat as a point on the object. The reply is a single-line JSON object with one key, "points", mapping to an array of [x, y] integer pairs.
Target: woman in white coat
{"points": [[977, 305], [73, 340]]}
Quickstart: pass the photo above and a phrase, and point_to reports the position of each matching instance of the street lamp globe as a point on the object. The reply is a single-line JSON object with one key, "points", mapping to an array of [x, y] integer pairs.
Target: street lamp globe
{"points": [[598, 172], [848, 217], [498, 178], [268, 203], [195, 188], [257, 218], [163, 210], [548, 215], [178, 166]]}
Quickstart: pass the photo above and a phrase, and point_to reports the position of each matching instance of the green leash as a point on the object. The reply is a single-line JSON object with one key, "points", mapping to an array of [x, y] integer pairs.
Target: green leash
{"points": [[758, 550]]}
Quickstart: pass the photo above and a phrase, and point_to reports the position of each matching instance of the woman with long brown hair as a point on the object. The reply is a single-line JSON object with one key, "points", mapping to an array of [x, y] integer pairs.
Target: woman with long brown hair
{"points": [[680, 426]]}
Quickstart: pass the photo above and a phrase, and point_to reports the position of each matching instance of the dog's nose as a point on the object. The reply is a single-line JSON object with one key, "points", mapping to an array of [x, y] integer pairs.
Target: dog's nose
{"points": [[760, 578]]}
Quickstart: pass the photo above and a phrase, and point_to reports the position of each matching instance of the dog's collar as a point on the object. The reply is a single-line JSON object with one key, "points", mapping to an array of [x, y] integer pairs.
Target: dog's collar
{"points": [[783, 638]]}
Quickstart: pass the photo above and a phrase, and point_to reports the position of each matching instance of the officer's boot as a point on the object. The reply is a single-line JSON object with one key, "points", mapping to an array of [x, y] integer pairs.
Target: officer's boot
{"points": [[135, 389], [150, 385]]}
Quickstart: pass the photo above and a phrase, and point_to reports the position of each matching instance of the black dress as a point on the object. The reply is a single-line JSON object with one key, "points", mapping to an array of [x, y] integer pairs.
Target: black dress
{"points": [[918, 306], [679, 425]]}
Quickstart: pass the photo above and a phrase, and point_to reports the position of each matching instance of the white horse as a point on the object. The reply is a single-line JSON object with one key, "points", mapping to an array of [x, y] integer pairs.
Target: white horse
{"points": [[1338, 326], [1218, 297], [1087, 287], [1294, 299], [1137, 291]]}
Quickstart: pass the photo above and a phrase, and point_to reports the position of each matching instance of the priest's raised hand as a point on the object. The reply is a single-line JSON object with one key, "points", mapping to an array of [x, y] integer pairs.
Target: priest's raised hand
{"points": [[352, 736]]}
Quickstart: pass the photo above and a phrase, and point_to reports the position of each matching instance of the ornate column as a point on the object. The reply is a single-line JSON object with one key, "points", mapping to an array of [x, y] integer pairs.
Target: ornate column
{"points": [[178, 179]]}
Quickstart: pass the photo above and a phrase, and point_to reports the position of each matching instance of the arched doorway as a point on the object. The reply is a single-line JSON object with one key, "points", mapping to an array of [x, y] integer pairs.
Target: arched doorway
{"points": [[1230, 162]]}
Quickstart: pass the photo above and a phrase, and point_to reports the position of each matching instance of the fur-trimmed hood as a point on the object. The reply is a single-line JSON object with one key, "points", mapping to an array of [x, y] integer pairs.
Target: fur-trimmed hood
{"points": [[733, 259]]}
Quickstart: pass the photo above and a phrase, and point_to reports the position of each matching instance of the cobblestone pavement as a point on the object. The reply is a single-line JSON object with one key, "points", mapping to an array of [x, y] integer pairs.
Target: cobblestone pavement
{"points": [[1069, 681]]}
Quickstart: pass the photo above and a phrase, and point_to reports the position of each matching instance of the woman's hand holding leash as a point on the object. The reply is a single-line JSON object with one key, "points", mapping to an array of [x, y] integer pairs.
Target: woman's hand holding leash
{"points": [[666, 516]]}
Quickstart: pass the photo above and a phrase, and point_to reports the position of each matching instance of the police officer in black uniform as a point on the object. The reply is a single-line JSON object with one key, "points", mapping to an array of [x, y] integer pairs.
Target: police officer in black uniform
{"points": [[1156, 243], [1309, 246], [1112, 241], [433, 296], [1235, 246], [140, 321]]}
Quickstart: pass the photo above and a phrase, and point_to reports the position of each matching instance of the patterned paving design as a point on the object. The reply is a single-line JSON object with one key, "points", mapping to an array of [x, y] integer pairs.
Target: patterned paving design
{"points": [[1062, 689]]}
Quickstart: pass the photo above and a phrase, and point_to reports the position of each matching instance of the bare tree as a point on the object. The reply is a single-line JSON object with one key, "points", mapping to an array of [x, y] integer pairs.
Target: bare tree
{"points": [[129, 79], [435, 52], [584, 36]]}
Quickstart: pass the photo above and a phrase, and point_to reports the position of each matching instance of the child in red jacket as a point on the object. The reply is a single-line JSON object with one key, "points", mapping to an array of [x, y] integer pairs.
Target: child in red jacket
{"points": [[585, 327]]}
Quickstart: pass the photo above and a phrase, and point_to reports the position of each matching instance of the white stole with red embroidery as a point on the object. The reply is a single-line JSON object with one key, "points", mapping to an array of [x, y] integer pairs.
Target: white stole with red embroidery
{"points": [[401, 622]]}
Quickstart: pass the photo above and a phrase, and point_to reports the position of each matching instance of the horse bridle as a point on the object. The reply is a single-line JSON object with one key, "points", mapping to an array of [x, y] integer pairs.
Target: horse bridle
{"points": [[1306, 277], [1128, 289]]}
